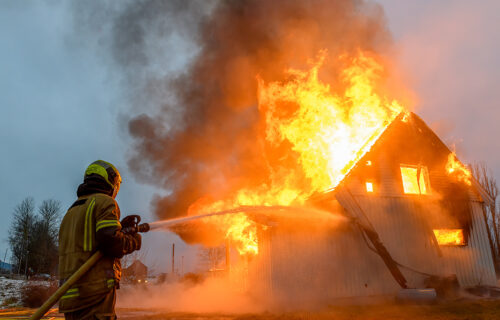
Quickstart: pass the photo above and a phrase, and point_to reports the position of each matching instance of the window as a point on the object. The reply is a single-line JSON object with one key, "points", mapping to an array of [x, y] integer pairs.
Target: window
{"points": [[369, 187], [415, 179], [450, 237]]}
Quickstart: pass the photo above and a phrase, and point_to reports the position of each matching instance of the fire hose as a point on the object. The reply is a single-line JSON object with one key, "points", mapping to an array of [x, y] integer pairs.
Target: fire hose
{"points": [[135, 228]]}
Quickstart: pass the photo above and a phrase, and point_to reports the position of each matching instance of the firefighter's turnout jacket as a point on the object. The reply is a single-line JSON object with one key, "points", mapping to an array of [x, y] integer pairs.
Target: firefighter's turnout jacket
{"points": [[91, 224]]}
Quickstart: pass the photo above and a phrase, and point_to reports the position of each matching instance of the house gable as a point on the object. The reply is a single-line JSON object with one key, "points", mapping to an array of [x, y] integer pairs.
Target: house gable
{"points": [[408, 141]]}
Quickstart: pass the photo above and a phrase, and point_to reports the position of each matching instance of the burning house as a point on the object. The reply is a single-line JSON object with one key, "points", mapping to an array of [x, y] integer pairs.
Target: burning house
{"points": [[285, 106], [414, 215], [405, 212]]}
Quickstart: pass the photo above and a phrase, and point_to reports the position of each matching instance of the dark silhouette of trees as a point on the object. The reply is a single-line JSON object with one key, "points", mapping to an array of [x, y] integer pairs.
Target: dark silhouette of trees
{"points": [[33, 236], [45, 238], [20, 232]]}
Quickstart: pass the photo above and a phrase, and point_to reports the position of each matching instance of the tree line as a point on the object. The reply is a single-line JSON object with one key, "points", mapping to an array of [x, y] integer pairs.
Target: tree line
{"points": [[33, 237]]}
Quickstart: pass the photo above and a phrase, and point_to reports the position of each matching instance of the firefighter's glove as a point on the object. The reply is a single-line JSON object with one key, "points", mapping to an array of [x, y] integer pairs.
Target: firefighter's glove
{"points": [[137, 241], [130, 221]]}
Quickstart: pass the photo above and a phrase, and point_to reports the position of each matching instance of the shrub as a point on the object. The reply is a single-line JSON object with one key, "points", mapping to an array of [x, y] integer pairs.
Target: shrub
{"points": [[34, 295]]}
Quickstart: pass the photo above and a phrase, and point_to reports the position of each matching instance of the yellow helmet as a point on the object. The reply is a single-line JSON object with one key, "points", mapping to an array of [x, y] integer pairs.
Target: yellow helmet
{"points": [[107, 171]]}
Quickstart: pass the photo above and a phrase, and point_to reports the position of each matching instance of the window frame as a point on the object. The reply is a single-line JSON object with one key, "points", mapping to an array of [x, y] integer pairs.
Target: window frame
{"points": [[424, 171], [462, 231]]}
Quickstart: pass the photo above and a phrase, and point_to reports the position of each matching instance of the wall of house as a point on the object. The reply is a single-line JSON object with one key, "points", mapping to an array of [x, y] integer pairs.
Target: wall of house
{"points": [[406, 230], [314, 266], [317, 266]]}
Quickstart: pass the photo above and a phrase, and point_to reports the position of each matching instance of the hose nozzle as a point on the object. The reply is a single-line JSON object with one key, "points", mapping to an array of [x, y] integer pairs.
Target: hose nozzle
{"points": [[143, 227]]}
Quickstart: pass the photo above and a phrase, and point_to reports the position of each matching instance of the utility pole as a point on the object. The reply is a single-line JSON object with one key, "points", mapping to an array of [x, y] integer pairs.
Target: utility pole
{"points": [[26, 262], [173, 258], [5, 258], [228, 256], [20, 258], [26, 266]]}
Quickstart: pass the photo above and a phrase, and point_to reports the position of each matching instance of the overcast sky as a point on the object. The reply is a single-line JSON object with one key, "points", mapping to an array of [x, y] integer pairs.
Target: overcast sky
{"points": [[61, 107], [60, 112]]}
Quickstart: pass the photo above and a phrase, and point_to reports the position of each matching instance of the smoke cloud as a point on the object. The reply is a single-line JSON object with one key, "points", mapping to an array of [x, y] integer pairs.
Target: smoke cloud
{"points": [[189, 71]]}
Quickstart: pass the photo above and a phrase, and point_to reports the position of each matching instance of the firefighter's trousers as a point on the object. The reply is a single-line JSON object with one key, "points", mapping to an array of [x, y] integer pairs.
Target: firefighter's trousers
{"points": [[104, 309]]}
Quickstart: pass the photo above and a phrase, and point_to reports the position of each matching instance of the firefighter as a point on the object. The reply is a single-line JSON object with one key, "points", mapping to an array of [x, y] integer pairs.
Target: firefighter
{"points": [[91, 224]]}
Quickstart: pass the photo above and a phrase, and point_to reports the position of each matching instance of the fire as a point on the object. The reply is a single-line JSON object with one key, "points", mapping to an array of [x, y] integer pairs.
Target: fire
{"points": [[329, 131], [454, 237], [312, 136], [458, 170], [244, 232], [238, 228]]}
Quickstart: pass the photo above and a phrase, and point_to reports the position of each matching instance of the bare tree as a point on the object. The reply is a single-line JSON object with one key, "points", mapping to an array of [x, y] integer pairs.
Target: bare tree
{"points": [[20, 232], [45, 238], [210, 258], [483, 175], [33, 237], [50, 216], [128, 259]]}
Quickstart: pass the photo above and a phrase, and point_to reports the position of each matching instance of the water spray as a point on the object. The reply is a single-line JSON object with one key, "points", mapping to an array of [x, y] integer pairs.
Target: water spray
{"points": [[258, 210]]}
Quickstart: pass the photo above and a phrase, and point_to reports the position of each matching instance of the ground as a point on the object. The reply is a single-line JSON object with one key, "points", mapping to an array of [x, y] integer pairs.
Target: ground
{"points": [[462, 309], [459, 309], [9, 291]]}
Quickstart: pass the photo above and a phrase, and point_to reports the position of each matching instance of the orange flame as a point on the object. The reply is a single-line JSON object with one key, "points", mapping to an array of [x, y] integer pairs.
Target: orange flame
{"points": [[324, 132], [458, 170], [238, 228], [449, 237], [330, 132]]}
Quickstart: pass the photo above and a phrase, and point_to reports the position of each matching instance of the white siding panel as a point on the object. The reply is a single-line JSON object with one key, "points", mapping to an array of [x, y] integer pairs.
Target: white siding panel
{"points": [[320, 266], [324, 266]]}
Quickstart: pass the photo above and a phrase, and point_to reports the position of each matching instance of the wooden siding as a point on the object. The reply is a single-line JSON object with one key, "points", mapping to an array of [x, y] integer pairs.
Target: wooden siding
{"points": [[317, 266]]}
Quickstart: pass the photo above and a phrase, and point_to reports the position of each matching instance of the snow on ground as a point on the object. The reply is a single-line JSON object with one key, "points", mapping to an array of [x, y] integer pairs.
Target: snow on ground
{"points": [[10, 291]]}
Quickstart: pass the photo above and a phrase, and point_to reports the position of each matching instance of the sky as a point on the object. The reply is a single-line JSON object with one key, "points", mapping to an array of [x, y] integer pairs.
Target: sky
{"points": [[61, 107], [60, 112]]}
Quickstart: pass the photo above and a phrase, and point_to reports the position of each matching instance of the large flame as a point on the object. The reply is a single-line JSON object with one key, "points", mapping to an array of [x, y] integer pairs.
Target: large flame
{"points": [[312, 135], [456, 169], [330, 132]]}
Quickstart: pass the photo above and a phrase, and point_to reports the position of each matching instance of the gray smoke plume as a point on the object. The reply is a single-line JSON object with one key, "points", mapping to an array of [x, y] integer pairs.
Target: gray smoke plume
{"points": [[189, 71]]}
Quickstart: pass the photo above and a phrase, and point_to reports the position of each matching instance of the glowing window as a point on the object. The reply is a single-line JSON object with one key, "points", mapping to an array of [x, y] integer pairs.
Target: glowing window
{"points": [[450, 237], [415, 179], [369, 187]]}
